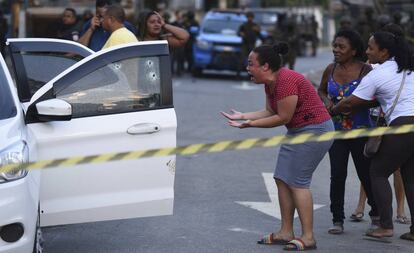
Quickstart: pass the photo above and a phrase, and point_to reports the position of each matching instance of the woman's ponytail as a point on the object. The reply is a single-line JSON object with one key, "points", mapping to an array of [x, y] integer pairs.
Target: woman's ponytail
{"points": [[272, 54]]}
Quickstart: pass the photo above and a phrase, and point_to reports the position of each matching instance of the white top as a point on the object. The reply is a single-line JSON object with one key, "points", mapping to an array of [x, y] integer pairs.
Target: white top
{"points": [[383, 83]]}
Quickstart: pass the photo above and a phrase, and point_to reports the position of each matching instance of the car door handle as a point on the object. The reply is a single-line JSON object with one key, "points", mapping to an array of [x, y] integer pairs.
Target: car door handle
{"points": [[143, 128]]}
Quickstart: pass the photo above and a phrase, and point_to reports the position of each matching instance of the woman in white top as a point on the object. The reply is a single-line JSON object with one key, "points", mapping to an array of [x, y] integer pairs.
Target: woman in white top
{"points": [[395, 59]]}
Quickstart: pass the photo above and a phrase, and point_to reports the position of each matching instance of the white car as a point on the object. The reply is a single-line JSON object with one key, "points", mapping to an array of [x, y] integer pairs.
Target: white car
{"points": [[69, 101]]}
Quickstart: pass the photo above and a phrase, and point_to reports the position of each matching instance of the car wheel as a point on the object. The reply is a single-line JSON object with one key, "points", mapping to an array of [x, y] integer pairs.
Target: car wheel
{"points": [[38, 242], [197, 72]]}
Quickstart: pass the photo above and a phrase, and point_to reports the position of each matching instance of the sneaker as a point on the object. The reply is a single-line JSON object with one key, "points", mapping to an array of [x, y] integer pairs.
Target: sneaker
{"points": [[337, 228]]}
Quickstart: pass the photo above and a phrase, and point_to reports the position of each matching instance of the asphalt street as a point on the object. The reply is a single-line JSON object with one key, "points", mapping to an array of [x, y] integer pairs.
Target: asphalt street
{"points": [[211, 190]]}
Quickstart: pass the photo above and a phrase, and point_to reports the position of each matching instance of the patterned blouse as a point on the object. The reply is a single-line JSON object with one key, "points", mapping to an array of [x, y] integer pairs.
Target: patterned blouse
{"points": [[336, 92]]}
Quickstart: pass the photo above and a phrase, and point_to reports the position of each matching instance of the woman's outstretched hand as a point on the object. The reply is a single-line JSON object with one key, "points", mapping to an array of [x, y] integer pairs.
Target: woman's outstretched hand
{"points": [[233, 115], [235, 118], [239, 124]]}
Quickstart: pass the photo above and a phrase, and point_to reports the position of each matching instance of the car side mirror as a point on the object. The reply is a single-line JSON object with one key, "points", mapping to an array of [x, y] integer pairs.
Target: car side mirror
{"points": [[194, 30], [53, 110]]}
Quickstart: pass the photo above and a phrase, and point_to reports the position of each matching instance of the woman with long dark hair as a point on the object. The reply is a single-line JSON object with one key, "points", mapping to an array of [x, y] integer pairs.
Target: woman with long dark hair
{"points": [[151, 26], [392, 85], [291, 100]]}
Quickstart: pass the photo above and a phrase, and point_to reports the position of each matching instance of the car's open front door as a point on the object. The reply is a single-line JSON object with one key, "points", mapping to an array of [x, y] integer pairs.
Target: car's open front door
{"points": [[37, 60], [121, 100]]}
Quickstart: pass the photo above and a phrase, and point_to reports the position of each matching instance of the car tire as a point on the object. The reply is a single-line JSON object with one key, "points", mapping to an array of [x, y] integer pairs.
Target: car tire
{"points": [[38, 242], [197, 72]]}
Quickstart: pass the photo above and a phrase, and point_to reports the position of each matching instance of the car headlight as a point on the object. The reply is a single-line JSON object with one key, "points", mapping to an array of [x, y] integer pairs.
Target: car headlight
{"points": [[15, 154], [202, 44]]}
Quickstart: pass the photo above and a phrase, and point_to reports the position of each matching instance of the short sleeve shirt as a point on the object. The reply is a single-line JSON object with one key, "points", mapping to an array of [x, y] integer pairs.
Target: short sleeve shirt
{"points": [[100, 36], [120, 36], [309, 108], [383, 83]]}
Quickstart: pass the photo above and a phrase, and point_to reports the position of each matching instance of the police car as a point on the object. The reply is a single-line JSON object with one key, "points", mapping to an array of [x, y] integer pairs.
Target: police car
{"points": [[218, 45]]}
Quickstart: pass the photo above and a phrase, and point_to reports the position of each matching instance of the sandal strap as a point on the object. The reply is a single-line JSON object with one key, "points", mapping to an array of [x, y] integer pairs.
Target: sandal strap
{"points": [[298, 243], [268, 239]]}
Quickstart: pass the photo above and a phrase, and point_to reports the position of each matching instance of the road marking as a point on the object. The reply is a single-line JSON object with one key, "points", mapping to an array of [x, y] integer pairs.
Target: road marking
{"points": [[245, 85], [271, 208], [243, 230], [177, 83]]}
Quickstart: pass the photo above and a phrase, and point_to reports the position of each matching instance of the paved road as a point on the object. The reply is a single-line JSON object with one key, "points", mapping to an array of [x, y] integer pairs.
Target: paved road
{"points": [[207, 216]]}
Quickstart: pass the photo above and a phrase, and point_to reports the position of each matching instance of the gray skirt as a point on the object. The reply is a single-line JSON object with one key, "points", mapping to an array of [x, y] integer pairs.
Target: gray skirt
{"points": [[296, 163]]}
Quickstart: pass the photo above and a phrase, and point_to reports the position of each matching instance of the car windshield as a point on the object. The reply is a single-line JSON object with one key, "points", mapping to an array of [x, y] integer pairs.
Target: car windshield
{"points": [[7, 106], [225, 27]]}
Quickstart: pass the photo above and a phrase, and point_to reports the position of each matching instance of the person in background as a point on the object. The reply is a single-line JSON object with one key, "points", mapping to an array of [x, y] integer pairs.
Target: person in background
{"points": [[314, 35], [249, 31], [177, 59], [189, 22], [366, 25], [339, 80], [86, 16], [4, 28], [291, 100], [151, 26], [92, 34], [113, 20], [345, 23], [291, 36], [69, 28], [391, 79]]}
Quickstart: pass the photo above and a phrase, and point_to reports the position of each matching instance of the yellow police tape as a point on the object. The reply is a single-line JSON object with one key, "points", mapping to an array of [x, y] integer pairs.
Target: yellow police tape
{"points": [[211, 147]]}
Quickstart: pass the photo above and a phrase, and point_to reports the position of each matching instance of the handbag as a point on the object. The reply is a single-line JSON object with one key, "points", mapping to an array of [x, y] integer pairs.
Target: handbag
{"points": [[374, 142]]}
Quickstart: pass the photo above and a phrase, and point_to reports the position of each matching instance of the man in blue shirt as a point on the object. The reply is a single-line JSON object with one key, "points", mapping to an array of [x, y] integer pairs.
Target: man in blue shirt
{"points": [[92, 34]]}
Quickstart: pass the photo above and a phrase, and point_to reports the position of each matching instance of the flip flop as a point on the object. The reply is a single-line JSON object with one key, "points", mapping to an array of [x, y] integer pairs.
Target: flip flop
{"points": [[336, 229], [407, 236], [357, 217], [403, 220], [298, 245], [378, 239], [369, 235], [270, 240]]}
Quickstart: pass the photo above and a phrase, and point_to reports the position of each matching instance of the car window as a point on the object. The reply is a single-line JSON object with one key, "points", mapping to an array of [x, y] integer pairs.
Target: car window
{"points": [[225, 27], [41, 67], [128, 85], [7, 106]]}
